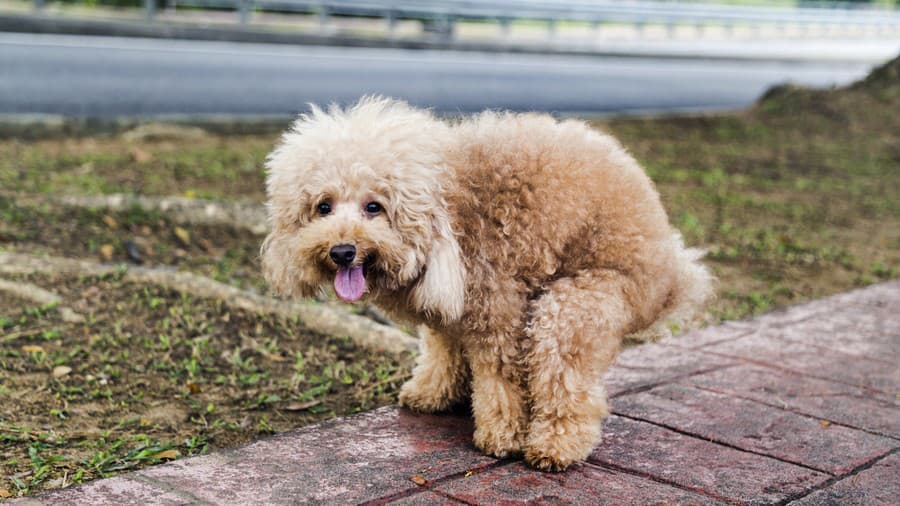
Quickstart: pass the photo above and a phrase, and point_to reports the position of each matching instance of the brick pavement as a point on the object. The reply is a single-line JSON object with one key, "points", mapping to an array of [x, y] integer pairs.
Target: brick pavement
{"points": [[799, 406]]}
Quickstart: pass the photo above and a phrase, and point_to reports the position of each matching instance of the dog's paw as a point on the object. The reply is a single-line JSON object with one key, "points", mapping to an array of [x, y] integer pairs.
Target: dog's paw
{"points": [[498, 443], [556, 445], [424, 400], [545, 462]]}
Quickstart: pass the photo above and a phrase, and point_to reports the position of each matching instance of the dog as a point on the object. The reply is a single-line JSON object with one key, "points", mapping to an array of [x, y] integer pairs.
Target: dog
{"points": [[524, 247]]}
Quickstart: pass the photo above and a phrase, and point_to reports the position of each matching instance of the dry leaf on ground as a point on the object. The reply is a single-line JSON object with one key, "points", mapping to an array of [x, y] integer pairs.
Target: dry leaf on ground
{"points": [[300, 406], [167, 454], [183, 236], [106, 252]]}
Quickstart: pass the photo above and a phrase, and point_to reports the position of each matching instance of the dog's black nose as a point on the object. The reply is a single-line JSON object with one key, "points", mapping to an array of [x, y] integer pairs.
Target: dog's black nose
{"points": [[343, 254]]}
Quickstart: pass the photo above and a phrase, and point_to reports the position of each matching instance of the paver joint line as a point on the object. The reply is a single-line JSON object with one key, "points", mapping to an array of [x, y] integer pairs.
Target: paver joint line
{"points": [[168, 488], [432, 484], [837, 479], [784, 407], [763, 363], [658, 479], [720, 443], [673, 379]]}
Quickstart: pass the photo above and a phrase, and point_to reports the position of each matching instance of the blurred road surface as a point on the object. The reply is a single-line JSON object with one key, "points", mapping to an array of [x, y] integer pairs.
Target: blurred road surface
{"points": [[86, 76]]}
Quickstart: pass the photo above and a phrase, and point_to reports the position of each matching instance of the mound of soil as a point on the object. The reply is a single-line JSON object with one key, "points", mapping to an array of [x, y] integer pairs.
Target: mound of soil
{"points": [[876, 95]]}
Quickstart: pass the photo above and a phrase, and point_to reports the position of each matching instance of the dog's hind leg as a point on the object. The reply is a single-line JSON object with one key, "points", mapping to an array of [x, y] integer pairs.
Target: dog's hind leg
{"points": [[441, 376], [575, 331]]}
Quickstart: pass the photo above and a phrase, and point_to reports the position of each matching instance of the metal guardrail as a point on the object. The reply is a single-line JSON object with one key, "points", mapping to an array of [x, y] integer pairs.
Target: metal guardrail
{"points": [[441, 16]]}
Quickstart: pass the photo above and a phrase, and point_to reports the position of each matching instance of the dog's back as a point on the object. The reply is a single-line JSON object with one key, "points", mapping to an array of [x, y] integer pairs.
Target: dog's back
{"points": [[539, 200]]}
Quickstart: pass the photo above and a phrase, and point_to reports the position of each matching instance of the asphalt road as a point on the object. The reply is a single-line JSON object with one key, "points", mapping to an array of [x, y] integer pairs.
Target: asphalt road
{"points": [[102, 77]]}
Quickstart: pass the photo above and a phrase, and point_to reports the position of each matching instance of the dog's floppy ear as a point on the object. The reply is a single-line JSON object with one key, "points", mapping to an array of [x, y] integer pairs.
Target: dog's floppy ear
{"points": [[441, 288]]}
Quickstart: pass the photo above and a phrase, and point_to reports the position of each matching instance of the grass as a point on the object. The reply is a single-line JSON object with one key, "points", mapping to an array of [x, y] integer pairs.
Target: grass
{"points": [[154, 375], [794, 199]]}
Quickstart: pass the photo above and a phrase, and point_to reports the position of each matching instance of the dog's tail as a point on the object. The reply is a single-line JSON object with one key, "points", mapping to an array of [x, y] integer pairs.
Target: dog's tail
{"points": [[692, 291]]}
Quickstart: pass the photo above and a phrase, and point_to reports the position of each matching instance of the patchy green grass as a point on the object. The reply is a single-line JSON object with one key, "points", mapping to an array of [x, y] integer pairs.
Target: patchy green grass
{"points": [[794, 199], [198, 166], [154, 375]]}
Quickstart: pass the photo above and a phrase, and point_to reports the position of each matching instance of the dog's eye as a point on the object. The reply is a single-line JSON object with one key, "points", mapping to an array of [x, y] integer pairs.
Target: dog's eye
{"points": [[324, 208], [374, 208]]}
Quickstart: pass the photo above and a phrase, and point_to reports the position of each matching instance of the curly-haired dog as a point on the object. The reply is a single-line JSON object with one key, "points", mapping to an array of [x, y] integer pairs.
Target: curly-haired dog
{"points": [[527, 247]]}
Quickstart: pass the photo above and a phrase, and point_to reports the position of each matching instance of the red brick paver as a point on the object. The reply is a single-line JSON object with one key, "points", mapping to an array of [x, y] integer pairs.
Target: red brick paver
{"points": [[755, 427], [825, 400], [698, 464], [367, 457], [799, 406], [878, 485], [586, 484]]}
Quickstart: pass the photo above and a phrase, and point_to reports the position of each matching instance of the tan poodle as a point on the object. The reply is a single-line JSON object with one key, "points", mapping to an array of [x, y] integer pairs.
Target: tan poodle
{"points": [[526, 246]]}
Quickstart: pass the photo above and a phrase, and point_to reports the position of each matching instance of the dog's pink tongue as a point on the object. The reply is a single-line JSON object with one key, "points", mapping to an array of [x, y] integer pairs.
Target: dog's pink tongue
{"points": [[349, 284]]}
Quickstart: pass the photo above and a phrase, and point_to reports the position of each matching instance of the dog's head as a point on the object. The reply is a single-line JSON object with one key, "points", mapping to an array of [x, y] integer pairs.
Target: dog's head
{"points": [[356, 203]]}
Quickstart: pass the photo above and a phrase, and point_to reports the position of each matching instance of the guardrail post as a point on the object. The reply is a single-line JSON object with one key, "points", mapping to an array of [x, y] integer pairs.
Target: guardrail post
{"points": [[440, 26], [244, 11], [150, 9], [324, 17], [505, 27], [551, 28], [391, 19], [39, 5]]}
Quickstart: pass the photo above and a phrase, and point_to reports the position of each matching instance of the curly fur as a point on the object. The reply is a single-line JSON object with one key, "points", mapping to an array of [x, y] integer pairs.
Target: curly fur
{"points": [[527, 247]]}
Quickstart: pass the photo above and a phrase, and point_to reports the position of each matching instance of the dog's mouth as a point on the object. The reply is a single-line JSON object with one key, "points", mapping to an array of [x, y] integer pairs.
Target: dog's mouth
{"points": [[350, 282]]}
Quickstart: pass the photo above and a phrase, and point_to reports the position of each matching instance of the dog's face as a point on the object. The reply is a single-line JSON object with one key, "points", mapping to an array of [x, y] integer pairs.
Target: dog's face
{"points": [[343, 227], [355, 204]]}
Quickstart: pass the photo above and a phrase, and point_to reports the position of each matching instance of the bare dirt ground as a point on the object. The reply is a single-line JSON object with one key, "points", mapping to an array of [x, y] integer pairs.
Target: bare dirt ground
{"points": [[794, 199]]}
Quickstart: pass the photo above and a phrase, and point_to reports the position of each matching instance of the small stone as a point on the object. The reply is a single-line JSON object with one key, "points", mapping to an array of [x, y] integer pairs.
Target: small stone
{"points": [[70, 316], [133, 253], [61, 370]]}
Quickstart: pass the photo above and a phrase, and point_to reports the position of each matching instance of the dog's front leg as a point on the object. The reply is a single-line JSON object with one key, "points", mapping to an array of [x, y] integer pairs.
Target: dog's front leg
{"points": [[441, 376], [498, 397]]}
